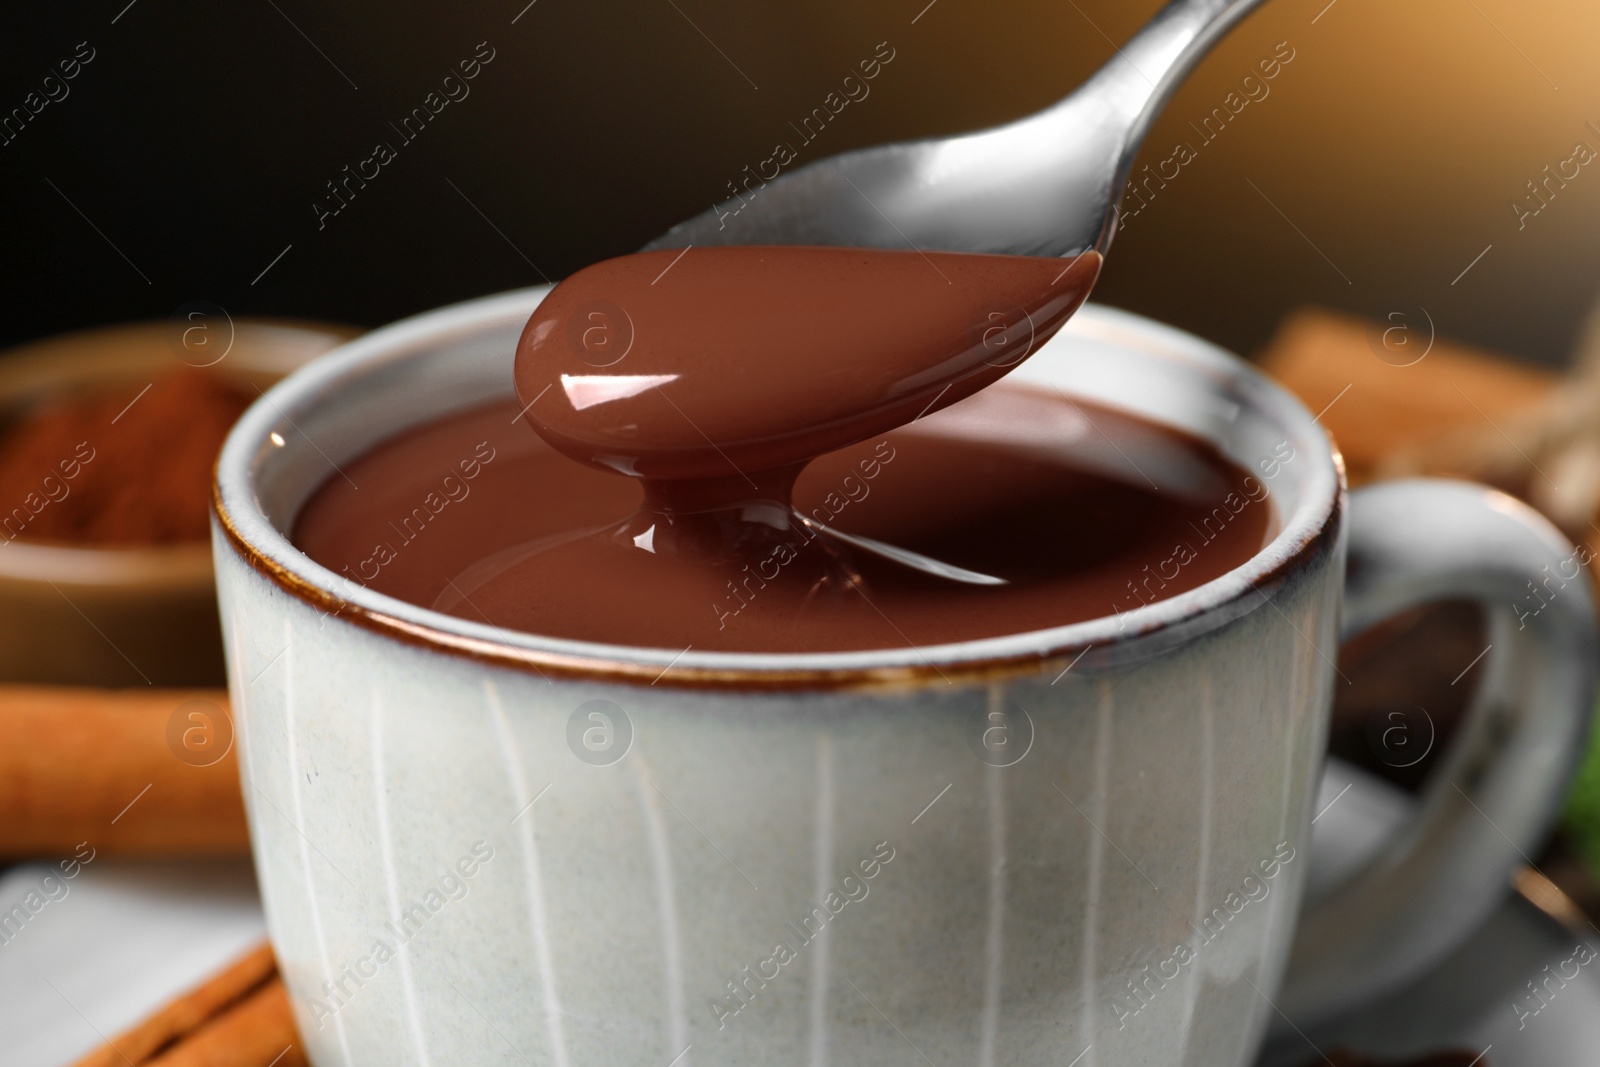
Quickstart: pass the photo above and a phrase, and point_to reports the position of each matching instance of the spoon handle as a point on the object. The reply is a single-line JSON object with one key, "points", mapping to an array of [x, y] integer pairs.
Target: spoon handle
{"points": [[1141, 78]]}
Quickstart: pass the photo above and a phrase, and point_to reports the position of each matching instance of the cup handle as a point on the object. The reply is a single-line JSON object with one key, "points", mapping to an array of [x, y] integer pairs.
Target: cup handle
{"points": [[1495, 793]]}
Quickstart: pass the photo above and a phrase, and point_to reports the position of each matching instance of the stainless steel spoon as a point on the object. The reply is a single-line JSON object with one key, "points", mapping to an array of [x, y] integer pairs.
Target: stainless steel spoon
{"points": [[1045, 185]]}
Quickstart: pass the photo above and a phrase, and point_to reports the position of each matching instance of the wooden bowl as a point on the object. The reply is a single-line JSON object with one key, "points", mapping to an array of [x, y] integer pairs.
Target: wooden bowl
{"points": [[117, 616]]}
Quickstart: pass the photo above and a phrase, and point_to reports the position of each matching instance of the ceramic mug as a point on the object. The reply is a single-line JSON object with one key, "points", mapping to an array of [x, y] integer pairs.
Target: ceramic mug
{"points": [[1079, 846]]}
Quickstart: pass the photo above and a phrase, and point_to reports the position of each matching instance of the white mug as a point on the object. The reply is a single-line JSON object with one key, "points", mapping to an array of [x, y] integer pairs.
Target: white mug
{"points": [[1082, 847]]}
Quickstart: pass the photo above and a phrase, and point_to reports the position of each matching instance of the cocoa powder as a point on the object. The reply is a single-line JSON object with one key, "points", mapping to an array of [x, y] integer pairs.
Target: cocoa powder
{"points": [[122, 468]]}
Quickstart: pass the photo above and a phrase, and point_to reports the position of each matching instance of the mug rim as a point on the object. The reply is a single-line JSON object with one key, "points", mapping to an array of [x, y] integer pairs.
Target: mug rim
{"points": [[241, 525]]}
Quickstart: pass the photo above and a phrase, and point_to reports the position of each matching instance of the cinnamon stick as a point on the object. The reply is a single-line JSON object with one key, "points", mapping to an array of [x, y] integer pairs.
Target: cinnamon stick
{"points": [[129, 772], [1374, 404], [188, 1013], [259, 1031]]}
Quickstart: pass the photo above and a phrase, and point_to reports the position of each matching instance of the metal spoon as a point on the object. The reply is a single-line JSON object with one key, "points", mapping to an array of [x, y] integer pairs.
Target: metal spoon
{"points": [[1045, 185]]}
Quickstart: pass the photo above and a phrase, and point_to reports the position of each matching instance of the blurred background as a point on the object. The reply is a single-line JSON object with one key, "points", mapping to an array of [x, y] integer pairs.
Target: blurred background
{"points": [[184, 161]]}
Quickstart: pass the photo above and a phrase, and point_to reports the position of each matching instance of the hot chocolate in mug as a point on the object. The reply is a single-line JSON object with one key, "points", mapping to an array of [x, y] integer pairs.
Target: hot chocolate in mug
{"points": [[1078, 846]]}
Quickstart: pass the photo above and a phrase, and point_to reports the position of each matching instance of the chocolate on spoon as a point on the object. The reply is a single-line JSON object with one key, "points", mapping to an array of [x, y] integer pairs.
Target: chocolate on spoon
{"points": [[721, 363], [716, 376]]}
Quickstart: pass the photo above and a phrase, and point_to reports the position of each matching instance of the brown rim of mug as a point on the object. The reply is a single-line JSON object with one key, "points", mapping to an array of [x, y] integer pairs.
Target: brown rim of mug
{"points": [[549, 664]]}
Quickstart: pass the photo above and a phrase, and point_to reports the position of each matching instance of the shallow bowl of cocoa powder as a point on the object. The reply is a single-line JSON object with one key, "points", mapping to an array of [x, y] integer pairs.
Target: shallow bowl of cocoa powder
{"points": [[107, 442]]}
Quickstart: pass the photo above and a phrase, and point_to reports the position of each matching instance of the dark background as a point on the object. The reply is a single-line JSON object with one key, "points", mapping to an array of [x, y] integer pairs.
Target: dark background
{"points": [[190, 150]]}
